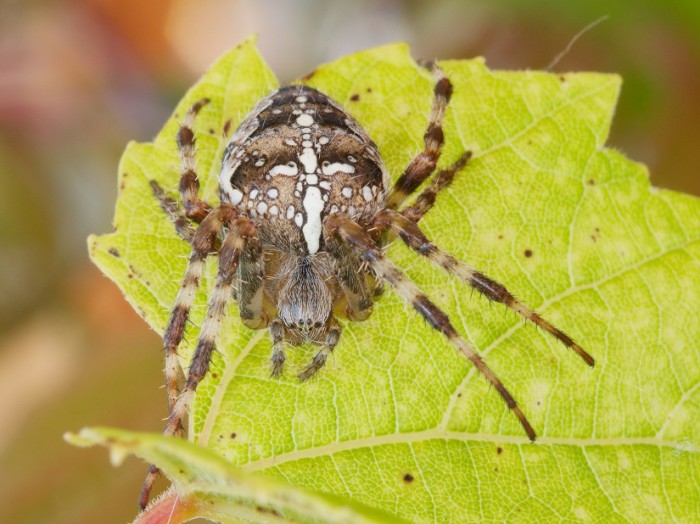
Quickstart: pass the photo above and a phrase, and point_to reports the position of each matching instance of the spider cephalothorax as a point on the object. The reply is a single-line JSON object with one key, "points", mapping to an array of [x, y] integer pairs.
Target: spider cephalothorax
{"points": [[305, 212]]}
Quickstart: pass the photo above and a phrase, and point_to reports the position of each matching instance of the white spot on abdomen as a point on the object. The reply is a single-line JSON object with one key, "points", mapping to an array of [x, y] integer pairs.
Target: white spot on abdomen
{"points": [[305, 120], [290, 169], [335, 167], [236, 196], [313, 205]]}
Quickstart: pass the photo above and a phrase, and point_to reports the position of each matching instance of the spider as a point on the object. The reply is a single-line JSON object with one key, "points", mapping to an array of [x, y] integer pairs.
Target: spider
{"points": [[305, 211]]}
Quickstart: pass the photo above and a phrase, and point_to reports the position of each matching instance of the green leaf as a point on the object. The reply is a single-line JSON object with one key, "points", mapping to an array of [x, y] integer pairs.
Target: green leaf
{"points": [[210, 487], [398, 420]]}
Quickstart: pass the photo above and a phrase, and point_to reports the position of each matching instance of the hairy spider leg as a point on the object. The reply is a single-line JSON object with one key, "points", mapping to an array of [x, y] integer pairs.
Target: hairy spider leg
{"points": [[202, 244], [278, 356], [414, 238], [442, 179], [363, 244], [195, 208], [353, 282], [332, 338], [424, 163], [171, 208], [250, 266], [240, 229], [249, 292]]}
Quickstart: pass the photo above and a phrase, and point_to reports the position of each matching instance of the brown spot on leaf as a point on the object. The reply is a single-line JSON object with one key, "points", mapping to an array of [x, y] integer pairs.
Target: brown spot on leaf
{"points": [[233, 435], [113, 251], [355, 97], [499, 450], [408, 478], [528, 253], [133, 272], [269, 511]]}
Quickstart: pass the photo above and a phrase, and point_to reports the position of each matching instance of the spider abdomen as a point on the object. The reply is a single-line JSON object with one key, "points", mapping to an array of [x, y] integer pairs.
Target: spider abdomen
{"points": [[296, 158]]}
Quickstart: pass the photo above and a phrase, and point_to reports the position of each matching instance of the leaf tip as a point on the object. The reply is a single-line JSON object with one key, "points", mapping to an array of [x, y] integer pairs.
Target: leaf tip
{"points": [[83, 439]]}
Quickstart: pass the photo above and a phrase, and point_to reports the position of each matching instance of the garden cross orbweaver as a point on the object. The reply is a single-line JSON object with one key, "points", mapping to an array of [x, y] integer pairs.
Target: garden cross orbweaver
{"points": [[305, 212]]}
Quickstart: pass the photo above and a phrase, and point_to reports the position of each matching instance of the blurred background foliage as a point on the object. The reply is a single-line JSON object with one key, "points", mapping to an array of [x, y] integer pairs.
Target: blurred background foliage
{"points": [[78, 79]]}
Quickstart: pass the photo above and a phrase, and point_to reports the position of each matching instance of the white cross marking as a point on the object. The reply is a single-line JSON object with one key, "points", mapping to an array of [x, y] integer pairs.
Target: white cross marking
{"points": [[309, 160], [313, 205]]}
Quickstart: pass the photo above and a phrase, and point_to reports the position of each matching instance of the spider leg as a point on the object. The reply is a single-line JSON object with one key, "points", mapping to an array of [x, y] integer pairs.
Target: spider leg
{"points": [[278, 356], [423, 164], [332, 338], [352, 282], [171, 208], [241, 229], [203, 240], [365, 247], [441, 180], [414, 238], [251, 270], [195, 208]]}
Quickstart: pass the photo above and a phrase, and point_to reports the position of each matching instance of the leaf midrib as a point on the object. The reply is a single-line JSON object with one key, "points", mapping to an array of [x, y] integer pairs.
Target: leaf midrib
{"points": [[438, 434]]}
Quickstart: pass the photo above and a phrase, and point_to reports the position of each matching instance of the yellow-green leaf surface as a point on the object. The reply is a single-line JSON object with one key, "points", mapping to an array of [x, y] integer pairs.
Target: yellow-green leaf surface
{"points": [[398, 419]]}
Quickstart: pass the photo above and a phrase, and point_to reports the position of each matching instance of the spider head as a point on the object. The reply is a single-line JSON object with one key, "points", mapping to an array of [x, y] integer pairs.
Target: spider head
{"points": [[304, 301]]}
